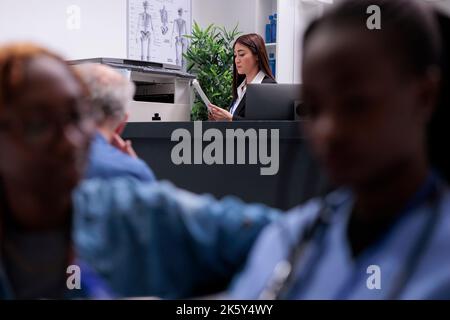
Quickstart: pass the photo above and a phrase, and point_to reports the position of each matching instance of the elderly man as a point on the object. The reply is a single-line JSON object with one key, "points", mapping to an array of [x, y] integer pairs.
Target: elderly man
{"points": [[110, 156]]}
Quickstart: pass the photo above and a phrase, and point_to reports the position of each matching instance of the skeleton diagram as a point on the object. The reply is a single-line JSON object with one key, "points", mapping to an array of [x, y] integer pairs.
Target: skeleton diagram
{"points": [[179, 30], [144, 31], [164, 20]]}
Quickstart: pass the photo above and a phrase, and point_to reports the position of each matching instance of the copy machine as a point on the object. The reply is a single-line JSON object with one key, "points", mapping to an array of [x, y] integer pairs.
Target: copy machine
{"points": [[163, 91]]}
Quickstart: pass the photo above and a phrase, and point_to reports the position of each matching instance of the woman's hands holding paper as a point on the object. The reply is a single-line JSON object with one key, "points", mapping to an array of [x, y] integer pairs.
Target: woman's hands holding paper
{"points": [[218, 114]]}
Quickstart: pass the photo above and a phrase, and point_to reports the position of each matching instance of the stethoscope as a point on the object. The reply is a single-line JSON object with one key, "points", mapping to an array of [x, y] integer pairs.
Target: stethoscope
{"points": [[283, 277]]}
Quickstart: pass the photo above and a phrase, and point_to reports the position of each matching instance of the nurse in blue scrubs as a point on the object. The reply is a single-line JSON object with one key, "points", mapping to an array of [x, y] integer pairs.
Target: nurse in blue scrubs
{"points": [[385, 233]]}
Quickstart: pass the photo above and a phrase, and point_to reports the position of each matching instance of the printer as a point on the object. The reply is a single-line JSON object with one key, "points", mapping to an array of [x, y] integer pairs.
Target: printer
{"points": [[163, 91]]}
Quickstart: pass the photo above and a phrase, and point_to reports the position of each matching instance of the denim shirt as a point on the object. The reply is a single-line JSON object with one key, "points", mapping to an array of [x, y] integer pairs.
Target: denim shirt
{"points": [[152, 239]]}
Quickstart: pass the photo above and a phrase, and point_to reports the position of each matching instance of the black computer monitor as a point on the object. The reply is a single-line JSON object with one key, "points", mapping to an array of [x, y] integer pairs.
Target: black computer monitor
{"points": [[272, 101]]}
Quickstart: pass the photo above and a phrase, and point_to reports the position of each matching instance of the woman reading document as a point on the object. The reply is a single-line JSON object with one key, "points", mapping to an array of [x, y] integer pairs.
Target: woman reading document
{"points": [[251, 65]]}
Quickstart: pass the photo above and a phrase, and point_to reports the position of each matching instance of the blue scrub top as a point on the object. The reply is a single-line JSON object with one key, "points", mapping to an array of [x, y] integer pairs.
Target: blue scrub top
{"points": [[327, 269]]}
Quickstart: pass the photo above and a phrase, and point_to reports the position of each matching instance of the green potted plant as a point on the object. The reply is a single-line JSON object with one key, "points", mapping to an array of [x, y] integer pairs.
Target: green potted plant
{"points": [[210, 58]]}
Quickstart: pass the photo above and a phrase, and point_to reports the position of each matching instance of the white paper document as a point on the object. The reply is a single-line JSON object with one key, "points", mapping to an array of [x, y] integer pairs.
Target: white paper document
{"points": [[202, 94]]}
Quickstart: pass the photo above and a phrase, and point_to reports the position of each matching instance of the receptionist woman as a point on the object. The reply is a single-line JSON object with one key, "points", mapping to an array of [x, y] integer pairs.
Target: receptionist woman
{"points": [[251, 65]]}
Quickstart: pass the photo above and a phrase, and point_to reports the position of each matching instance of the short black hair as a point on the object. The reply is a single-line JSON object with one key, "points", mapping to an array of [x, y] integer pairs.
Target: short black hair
{"points": [[409, 28]]}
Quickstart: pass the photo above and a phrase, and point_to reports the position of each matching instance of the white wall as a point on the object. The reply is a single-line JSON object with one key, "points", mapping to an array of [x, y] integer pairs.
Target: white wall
{"points": [[103, 23], [225, 13], [305, 13], [102, 30]]}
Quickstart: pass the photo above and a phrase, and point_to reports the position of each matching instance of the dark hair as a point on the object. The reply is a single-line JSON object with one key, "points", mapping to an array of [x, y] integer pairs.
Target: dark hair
{"points": [[257, 46], [408, 29]]}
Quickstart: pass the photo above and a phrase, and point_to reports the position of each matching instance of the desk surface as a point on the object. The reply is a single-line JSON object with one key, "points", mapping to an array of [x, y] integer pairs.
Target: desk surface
{"points": [[156, 129]]}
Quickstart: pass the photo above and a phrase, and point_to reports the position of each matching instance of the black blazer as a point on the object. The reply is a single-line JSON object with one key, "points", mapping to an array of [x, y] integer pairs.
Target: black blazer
{"points": [[239, 114]]}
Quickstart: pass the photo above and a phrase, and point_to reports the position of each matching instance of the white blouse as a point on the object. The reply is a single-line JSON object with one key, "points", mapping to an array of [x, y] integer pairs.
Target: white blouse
{"points": [[243, 88]]}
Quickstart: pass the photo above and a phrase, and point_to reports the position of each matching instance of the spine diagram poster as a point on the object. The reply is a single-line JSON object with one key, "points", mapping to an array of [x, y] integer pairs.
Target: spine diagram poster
{"points": [[157, 30]]}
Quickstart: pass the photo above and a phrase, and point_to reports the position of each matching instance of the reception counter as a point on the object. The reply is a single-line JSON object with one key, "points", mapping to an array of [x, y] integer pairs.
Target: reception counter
{"points": [[259, 161]]}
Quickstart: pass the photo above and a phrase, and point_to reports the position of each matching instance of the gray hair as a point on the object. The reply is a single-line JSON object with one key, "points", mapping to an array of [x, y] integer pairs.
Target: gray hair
{"points": [[109, 91]]}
